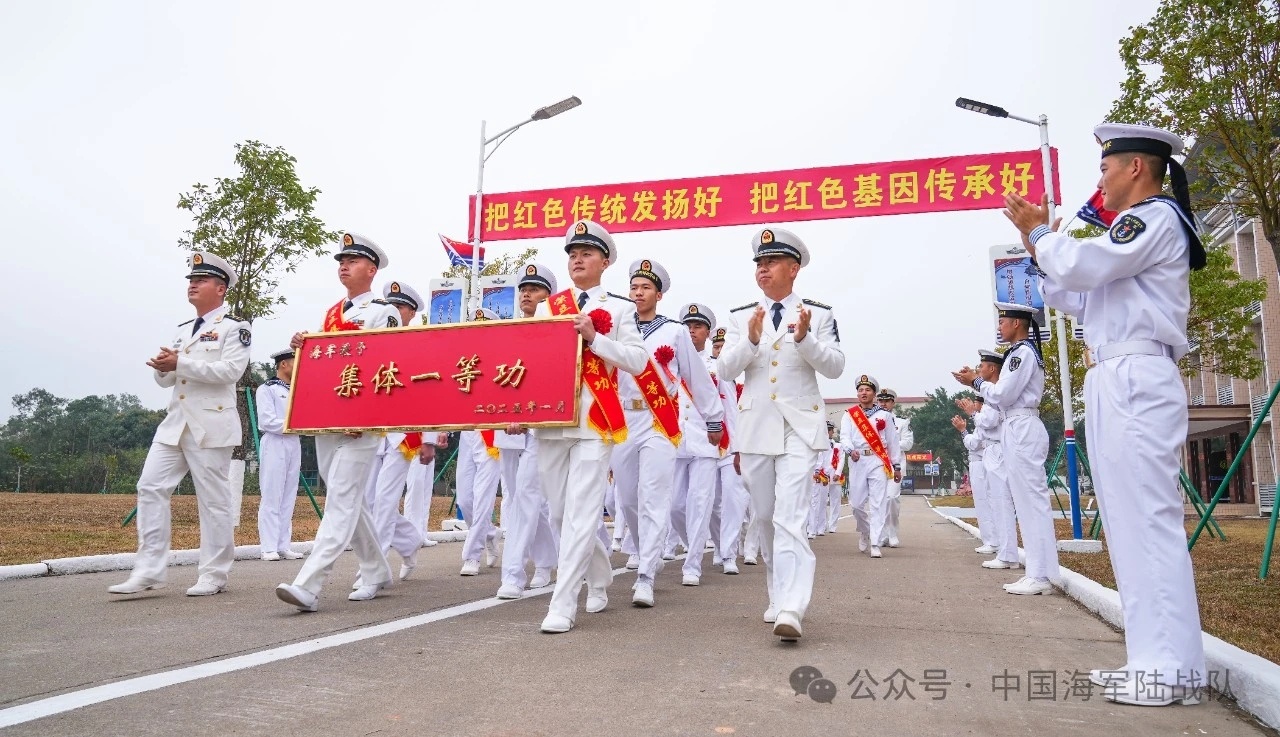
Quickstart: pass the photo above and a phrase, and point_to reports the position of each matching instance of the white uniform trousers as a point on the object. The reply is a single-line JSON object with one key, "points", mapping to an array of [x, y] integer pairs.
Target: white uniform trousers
{"points": [[834, 491], [779, 487], [1026, 446], [751, 538], [345, 464], [574, 472], [387, 481], [869, 495], [527, 519], [417, 497], [478, 474], [644, 473], [1136, 413], [729, 512], [695, 481], [278, 472], [817, 508], [1000, 499], [982, 506], [893, 509], [164, 468]]}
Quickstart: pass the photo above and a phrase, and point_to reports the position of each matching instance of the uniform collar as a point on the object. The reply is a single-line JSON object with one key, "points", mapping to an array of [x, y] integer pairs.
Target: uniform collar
{"points": [[212, 316], [593, 293], [360, 300]]}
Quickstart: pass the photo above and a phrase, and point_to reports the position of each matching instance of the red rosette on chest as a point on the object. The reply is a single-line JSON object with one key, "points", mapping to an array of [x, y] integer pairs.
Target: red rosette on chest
{"points": [[879, 424], [664, 355], [739, 386], [601, 320]]}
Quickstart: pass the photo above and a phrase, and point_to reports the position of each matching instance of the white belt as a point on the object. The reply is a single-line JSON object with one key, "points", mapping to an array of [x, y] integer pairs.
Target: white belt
{"points": [[1131, 348], [1022, 412]]}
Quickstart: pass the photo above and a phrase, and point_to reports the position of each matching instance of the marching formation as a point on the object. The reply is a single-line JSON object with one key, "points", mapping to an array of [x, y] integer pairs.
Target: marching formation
{"points": [[712, 433]]}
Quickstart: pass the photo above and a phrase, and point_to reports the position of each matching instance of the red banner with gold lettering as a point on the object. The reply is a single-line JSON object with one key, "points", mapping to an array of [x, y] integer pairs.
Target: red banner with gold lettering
{"points": [[485, 374], [972, 182]]}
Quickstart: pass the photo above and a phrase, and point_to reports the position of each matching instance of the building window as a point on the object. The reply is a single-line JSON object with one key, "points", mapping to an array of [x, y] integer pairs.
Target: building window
{"points": [[1225, 395]]}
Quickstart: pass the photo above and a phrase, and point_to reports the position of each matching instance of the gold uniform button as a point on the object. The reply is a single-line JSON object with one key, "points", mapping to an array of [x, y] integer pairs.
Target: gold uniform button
{"points": [[773, 380], [219, 407], [184, 381], [777, 347], [775, 363], [815, 408], [773, 396], [182, 396]]}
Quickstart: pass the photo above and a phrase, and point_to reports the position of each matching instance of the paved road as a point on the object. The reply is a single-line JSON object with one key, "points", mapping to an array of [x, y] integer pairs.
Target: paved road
{"points": [[437, 655]]}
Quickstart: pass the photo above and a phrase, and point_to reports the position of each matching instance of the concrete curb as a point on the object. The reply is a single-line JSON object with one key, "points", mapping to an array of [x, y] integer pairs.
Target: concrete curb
{"points": [[1253, 681], [124, 561]]}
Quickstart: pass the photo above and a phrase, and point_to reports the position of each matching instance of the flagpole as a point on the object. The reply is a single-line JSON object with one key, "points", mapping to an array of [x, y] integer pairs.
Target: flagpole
{"points": [[476, 233]]}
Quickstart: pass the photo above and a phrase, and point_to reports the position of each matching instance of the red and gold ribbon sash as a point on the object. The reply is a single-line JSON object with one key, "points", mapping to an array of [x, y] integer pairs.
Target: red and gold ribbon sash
{"points": [[409, 446], [724, 427], [489, 447], [333, 321], [605, 416], [872, 437], [835, 458], [666, 413]]}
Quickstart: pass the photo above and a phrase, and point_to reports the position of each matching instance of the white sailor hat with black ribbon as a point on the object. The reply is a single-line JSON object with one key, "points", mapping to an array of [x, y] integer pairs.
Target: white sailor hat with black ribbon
{"points": [[399, 293], [990, 357], [354, 244], [284, 355], [591, 233], [538, 275], [203, 263], [778, 242], [698, 312], [653, 271]]}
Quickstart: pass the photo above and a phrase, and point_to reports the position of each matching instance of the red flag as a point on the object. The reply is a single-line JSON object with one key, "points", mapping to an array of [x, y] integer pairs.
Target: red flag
{"points": [[460, 252], [1094, 213]]}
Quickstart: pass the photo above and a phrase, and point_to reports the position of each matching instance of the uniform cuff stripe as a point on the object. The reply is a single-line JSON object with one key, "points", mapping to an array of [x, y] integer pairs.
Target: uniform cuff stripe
{"points": [[1039, 232]]}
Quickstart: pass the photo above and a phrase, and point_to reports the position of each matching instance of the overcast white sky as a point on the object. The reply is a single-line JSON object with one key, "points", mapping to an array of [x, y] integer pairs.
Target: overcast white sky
{"points": [[111, 109]]}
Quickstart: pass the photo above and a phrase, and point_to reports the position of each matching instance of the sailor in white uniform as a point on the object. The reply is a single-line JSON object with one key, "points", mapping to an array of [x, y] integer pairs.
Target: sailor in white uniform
{"points": [[782, 342], [888, 399], [201, 427], [1130, 290], [279, 463], [872, 446]]}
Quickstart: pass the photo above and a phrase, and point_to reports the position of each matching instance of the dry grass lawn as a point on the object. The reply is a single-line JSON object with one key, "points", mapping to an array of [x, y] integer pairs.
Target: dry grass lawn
{"points": [[36, 527]]}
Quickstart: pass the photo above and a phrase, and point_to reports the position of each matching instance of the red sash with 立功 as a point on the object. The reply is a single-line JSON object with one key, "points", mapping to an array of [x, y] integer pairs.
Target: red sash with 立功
{"points": [[333, 321], [409, 446], [489, 447], [724, 428], [872, 437], [666, 413], [605, 416]]}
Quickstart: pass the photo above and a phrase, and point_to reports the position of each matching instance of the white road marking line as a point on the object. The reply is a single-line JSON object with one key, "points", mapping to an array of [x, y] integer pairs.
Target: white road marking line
{"points": [[132, 686]]}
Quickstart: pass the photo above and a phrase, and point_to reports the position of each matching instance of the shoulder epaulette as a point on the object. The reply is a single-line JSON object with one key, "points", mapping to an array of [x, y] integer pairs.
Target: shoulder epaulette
{"points": [[815, 303], [747, 306], [379, 301], [619, 296], [237, 318], [188, 322]]}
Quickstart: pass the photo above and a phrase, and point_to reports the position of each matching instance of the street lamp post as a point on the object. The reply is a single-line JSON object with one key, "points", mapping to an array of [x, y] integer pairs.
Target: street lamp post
{"points": [[542, 113], [1060, 323]]}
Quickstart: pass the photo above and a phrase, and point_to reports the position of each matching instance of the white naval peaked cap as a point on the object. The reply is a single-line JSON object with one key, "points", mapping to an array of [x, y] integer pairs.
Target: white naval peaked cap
{"points": [[719, 335], [868, 380], [778, 242], [284, 355], [653, 271], [399, 293], [203, 263], [887, 393], [538, 275], [484, 313], [698, 312], [990, 357], [1118, 138], [591, 233], [354, 244]]}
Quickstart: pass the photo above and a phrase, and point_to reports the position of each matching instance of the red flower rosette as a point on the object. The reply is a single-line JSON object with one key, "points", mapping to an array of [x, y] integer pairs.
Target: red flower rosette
{"points": [[879, 424], [664, 355], [739, 390], [601, 320]]}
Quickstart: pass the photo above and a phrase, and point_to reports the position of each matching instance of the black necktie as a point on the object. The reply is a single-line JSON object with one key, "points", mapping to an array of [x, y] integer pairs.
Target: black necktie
{"points": [[777, 314], [347, 305], [199, 321], [582, 300]]}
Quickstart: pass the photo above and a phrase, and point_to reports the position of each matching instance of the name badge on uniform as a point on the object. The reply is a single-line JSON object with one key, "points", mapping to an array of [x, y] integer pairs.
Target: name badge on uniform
{"points": [[209, 337]]}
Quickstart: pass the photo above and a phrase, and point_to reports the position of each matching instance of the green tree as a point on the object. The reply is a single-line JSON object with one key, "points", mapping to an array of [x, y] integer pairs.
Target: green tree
{"points": [[931, 423], [21, 457], [1209, 70], [1219, 323], [507, 263], [263, 223]]}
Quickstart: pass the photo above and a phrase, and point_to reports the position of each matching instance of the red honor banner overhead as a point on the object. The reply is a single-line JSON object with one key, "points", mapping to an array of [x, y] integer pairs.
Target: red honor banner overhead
{"points": [[439, 377], [977, 182]]}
